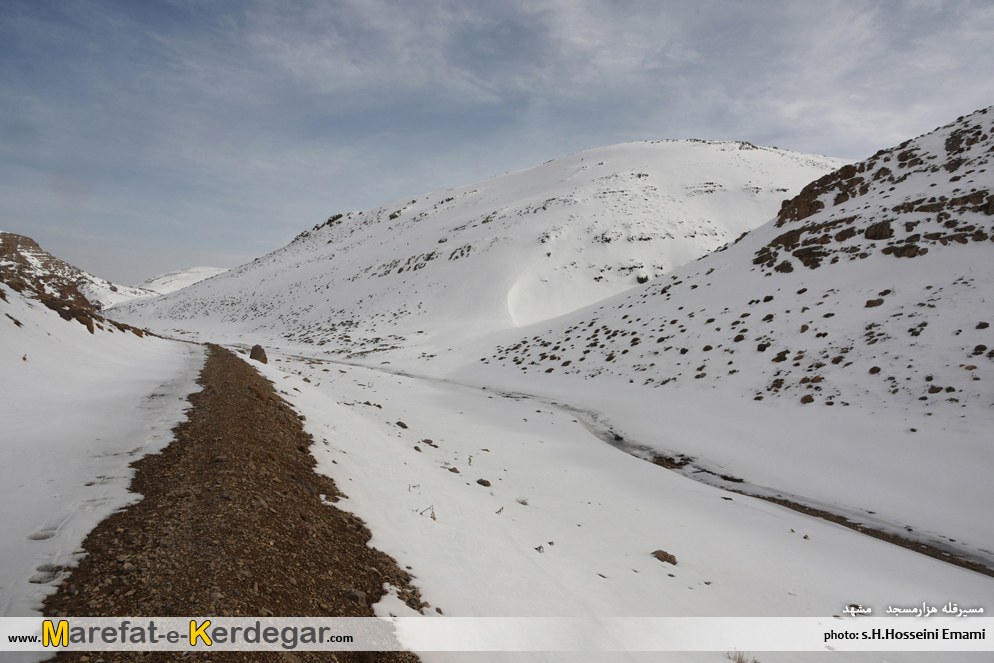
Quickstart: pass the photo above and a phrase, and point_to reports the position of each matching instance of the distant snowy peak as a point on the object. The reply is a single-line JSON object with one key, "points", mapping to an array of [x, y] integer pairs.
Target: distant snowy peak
{"points": [[173, 281], [22, 259], [510, 251], [872, 286]]}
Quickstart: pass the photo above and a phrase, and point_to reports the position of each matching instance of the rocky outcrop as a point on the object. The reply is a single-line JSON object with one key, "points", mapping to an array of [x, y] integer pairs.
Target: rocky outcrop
{"points": [[843, 226], [23, 261], [27, 269]]}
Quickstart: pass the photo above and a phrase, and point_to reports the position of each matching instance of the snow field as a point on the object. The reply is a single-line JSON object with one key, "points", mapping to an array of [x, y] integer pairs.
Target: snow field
{"points": [[596, 513]]}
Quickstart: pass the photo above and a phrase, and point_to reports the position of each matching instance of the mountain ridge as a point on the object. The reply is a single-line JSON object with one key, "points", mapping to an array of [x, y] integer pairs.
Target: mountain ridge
{"points": [[507, 252]]}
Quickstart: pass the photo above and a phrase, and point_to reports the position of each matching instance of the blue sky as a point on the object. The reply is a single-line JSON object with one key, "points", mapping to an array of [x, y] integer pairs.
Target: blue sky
{"points": [[139, 137]]}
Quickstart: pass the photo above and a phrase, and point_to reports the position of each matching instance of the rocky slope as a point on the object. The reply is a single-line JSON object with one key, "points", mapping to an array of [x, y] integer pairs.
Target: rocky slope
{"points": [[33, 275], [871, 286], [81, 394], [21, 259]]}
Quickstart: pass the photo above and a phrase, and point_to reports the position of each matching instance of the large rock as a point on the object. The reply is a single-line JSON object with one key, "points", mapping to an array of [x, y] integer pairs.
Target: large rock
{"points": [[258, 354]]}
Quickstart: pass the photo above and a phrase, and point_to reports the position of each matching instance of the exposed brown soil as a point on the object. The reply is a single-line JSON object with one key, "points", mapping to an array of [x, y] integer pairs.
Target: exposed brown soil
{"points": [[232, 524]]}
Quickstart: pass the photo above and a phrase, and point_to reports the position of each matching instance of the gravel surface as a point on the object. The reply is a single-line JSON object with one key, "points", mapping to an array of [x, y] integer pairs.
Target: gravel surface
{"points": [[232, 524]]}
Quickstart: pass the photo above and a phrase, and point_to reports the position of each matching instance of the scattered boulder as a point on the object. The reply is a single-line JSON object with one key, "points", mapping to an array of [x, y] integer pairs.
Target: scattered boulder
{"points": [[664, 556], [258, 354], [870, 303], [483, 482], [807, 398]]}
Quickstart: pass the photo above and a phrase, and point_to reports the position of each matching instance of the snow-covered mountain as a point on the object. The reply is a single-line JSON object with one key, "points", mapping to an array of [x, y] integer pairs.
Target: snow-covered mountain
{"points": [[870, 286], [788, 382], [840, 356], [511, 251], [797, 360], [173, 281], [21, 258]]}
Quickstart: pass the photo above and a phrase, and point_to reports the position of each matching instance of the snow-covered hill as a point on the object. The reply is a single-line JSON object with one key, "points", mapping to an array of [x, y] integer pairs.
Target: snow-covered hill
{"points": [[869, 287], [513, 250], [173, 281], [836, 357], [21, 258], [842, 355]]}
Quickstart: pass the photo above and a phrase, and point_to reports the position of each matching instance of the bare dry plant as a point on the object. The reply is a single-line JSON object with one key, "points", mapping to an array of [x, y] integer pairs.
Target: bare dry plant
{"points": [[740, 657]]}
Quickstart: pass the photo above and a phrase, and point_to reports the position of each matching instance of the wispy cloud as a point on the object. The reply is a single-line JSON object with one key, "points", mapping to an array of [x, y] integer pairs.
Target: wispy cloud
{"points": [[230, 126]]}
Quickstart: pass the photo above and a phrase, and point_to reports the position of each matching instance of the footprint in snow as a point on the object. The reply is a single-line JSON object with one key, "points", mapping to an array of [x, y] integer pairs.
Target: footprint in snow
{"points": [[92, 503], [46, 573], [43, 534]]}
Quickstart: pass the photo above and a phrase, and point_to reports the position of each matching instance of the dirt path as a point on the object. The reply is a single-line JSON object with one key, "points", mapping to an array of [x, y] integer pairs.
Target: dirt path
{"points": [[231, 524]]}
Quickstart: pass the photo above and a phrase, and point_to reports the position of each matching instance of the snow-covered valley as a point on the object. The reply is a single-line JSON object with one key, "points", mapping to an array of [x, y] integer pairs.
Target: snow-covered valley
{"points": [[568, 523], [537, 389]]}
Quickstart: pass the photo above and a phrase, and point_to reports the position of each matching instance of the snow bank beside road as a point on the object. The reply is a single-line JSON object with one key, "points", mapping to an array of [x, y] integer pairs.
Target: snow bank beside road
{"points": [[77, 409]]}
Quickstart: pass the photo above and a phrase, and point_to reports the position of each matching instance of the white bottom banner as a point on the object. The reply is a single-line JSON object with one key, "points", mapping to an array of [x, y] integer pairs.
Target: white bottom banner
{"points": [[494, 634]]}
